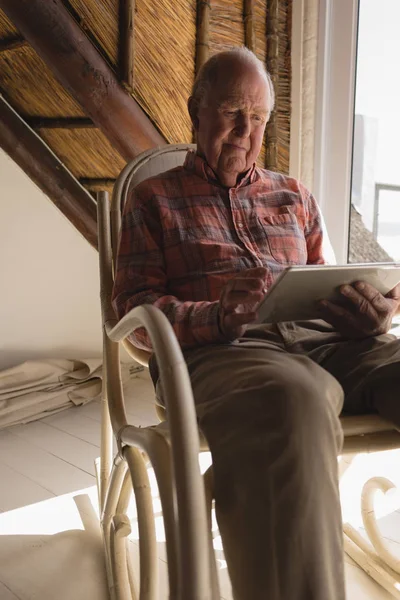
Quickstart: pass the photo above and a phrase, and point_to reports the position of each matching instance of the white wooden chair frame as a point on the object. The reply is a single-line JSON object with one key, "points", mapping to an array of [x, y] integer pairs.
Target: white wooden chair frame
{"points": [[172, 447]]}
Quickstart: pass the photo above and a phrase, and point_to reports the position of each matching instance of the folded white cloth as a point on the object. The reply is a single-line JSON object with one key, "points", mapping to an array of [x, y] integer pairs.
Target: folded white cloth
{"points": [[39, 388]]}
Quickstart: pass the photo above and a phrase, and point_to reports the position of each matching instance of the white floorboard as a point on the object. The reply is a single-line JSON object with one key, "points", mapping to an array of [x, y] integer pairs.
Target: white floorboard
{"points": [[59, 444], [84, 428], [50, 472], [17, 490], [6, 594], [50, 545], [361, 587]]}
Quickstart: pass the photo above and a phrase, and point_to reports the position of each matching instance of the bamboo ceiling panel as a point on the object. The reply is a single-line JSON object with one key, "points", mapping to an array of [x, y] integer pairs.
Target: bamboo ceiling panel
{"points": [[260, 26], [226, 25], [165, 35], [7, 29], [283, 91], [164, 68], [31, 88], [85, 152], [100, 19], [165, 38], [260, 21]]}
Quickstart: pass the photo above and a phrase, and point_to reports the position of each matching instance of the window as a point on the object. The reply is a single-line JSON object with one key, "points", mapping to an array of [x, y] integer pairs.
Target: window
{"points": [[356, 164], [335, 116], [375, 190]]}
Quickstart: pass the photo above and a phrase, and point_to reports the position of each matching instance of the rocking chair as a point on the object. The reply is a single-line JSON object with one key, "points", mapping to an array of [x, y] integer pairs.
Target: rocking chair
{"points": [[172, 447]]}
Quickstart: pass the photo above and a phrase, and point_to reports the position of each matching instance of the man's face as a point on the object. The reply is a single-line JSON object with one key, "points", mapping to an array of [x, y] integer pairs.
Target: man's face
{"points": [[230, 127]]}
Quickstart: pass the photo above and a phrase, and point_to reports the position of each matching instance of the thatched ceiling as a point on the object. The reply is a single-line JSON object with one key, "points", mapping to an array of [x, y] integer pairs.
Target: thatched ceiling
{"points": [[165, 47]]}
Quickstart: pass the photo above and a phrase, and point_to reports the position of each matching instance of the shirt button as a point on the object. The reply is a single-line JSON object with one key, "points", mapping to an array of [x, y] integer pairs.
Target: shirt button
{"points": [[240, 225]]}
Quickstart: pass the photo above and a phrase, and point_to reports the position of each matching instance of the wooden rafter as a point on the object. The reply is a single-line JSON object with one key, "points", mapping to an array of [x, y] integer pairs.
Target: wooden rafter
{"points": [[249, 30], [53, 33], [97, 184], [271, 159], [29, 151], [60, 123], [127, 37], [203, 33], [12, 43]]}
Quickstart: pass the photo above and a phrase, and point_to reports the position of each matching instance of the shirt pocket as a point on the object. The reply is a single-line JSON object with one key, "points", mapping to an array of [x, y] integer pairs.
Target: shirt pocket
{"points": [[285, 236]]}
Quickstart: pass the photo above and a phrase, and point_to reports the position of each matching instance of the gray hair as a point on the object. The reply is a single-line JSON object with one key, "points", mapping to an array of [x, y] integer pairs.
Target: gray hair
{"points": [[209, 72]]}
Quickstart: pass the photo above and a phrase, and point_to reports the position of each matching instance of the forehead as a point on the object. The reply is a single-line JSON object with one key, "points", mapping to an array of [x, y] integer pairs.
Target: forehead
{"points": [[244, 87]]}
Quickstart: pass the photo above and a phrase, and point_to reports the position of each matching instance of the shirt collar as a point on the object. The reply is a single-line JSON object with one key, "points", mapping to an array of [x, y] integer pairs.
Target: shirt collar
{"points": [[198, 165]]}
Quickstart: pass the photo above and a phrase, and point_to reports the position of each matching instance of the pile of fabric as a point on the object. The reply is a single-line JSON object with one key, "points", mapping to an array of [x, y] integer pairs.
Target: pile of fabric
{"points": [[40, 388]]}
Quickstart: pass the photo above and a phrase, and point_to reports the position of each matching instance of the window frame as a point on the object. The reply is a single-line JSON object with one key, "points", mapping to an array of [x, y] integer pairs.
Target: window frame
{"points": [[334, 117]]}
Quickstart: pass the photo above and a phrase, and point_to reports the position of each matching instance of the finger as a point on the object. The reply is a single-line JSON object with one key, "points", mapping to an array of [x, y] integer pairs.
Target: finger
{"points": [[368, 306], [331, 307], [394, 293], [234, 299], [260, 272], [235, 320], [372, 295], [243, 285], [342, 319], [338, 316]]}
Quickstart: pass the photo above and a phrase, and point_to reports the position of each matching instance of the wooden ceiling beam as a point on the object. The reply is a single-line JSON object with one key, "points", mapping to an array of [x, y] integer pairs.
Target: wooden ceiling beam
{"points": [[29, 151], [60, 123], [271, 156], [97, 184], [12, 43], [202, 33], [249, 30], [127, 41], [52, 31]]}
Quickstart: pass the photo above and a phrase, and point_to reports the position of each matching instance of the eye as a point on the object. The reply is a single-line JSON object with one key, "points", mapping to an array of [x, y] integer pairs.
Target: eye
{"points": [[257, 118], [231, 113]]}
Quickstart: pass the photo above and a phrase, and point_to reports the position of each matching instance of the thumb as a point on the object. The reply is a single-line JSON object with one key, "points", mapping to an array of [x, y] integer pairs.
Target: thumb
{"points": [[260, 272], [394, 294]]}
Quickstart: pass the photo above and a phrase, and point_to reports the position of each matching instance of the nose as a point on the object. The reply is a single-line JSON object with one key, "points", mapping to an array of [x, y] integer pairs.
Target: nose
{"points": [[242, 125]]}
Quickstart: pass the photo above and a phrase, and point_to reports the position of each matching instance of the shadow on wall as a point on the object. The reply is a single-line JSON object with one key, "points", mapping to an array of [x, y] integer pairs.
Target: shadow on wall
{"points": [[10, 357]]}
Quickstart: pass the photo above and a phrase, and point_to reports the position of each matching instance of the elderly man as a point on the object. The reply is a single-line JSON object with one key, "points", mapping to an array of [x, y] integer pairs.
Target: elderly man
{"points": [[202, 242]]}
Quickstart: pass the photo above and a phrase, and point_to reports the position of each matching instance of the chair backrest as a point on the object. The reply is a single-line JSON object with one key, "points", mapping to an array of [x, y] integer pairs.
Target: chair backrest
{"points": [[149, 163]]}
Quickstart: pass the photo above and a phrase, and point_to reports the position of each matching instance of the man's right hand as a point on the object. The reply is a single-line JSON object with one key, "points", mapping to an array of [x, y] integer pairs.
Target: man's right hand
{"points": [[239, 301]]}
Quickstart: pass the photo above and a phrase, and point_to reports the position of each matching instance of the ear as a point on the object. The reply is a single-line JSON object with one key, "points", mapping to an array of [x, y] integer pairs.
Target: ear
{"points": [[193, 109]]}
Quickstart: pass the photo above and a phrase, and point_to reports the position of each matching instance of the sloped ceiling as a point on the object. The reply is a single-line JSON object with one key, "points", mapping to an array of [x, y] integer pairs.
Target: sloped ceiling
{"points": [[165, 47]]}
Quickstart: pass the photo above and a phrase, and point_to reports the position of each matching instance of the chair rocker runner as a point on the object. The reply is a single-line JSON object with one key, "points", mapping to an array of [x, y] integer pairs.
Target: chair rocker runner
{"points": [[172, 447]]}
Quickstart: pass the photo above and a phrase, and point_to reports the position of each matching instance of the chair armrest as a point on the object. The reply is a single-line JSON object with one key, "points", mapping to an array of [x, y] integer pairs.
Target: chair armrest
{"points": [[171, 364], [182, 422], [164, 342], [174, 375]]}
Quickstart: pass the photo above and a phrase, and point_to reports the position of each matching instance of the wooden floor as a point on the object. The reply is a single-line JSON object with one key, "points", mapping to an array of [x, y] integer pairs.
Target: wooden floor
{"points": [[50, 546]]}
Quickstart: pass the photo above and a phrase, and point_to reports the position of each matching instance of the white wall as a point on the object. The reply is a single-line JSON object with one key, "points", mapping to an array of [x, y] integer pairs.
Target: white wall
{"points": [[49, 294]]}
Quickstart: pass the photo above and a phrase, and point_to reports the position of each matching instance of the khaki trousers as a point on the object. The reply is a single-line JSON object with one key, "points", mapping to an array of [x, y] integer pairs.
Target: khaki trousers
{"points": [[268, 405]]}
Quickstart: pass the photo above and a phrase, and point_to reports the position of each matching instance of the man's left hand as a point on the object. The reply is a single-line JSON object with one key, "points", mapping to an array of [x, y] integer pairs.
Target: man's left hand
{"points": [[365, 312]]}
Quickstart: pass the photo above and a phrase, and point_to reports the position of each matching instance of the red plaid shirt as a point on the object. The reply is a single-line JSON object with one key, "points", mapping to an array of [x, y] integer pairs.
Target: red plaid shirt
{"points": [[184, 236]]}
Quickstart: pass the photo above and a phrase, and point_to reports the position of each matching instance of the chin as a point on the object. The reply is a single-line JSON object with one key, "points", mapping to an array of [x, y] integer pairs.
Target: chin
{"points": [[234, 164]]}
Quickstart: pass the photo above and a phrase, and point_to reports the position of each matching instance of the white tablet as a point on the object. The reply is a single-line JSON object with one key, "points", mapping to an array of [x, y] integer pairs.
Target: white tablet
{"points": [[295, 293]]}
